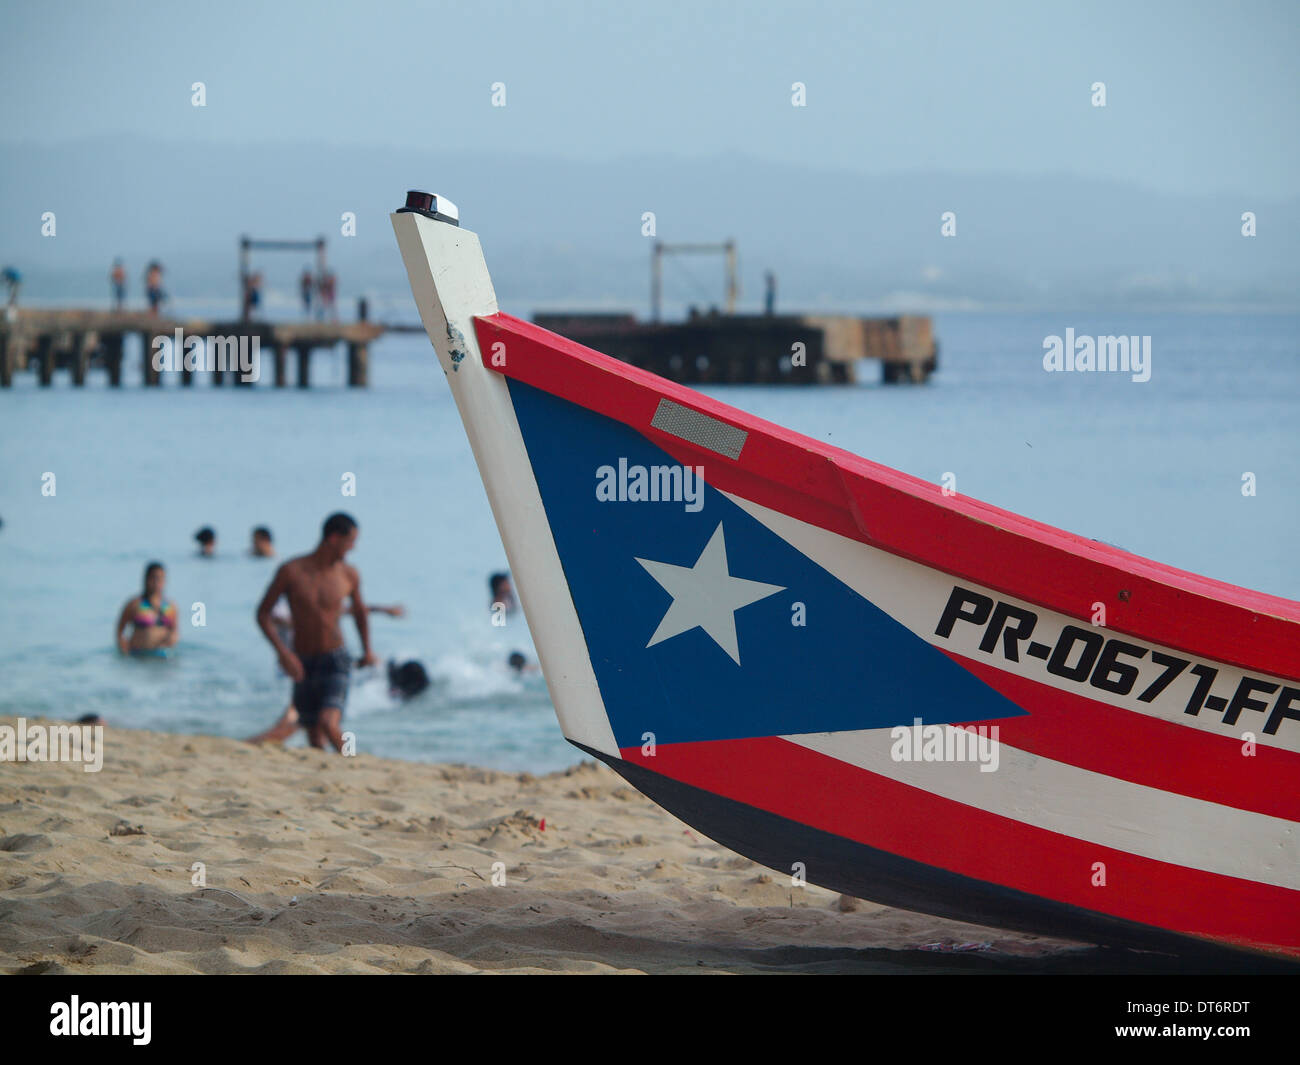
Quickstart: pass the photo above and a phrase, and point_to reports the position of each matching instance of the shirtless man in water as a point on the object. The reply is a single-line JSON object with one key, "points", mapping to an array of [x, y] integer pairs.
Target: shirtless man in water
{"points": [[316, 586]]}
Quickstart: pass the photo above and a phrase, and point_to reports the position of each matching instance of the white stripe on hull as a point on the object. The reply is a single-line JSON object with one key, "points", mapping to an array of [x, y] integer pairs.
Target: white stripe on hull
{"points": [[1089, 806], [915, 596]]}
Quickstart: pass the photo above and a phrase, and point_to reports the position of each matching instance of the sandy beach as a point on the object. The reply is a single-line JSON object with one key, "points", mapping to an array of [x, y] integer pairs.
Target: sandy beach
{"points": [[315, 863]]}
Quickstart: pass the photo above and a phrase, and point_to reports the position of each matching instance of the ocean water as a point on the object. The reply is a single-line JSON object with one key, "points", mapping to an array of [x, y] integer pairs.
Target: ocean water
{"points": [[1154, 467]]}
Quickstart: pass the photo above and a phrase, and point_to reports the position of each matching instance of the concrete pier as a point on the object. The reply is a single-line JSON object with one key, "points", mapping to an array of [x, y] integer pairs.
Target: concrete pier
{"points": [[46, 340], [759, 349]]}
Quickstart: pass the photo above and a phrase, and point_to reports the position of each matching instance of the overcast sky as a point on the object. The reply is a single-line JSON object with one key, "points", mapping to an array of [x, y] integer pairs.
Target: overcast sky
{"points": [[1201, 97]]}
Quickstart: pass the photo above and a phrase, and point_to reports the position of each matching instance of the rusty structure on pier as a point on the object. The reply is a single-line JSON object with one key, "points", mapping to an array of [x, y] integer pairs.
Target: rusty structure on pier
{"points": [[770, 348]]}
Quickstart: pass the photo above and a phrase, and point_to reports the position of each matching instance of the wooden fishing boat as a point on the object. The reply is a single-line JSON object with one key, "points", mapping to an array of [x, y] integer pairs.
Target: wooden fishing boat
{"points": [[846, 674]]}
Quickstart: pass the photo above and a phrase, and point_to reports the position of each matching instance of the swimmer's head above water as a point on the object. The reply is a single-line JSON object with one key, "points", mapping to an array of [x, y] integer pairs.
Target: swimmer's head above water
{"points": [[502, 591], [407, 680], [262, 546]]}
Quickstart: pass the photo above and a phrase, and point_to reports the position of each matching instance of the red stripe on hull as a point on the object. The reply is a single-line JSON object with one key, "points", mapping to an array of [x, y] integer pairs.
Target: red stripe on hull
{"points": [[906, 516], [839, 798], [1147, 750]]}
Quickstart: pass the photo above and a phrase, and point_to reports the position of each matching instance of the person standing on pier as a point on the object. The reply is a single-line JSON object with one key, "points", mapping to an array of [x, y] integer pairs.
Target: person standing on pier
{"points": [[327, 292], [117, 278], [13, 282], [252, 295], [153, 287], [306, 285]]}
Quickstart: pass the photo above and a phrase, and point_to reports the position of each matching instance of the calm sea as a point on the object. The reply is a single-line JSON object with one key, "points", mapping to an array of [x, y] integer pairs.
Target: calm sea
{"points": [[1154, 467]]}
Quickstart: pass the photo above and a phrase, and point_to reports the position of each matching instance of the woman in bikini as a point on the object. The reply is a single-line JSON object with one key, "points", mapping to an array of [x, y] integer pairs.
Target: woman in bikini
{"points": [[152, 619]]}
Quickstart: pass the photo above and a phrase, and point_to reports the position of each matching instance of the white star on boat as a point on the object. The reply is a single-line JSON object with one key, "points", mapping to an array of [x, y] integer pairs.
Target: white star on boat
{"points": [[705, 595]]}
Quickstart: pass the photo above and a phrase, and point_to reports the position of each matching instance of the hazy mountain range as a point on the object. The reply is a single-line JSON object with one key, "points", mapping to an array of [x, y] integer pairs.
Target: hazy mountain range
{"points": [[563, 234]]}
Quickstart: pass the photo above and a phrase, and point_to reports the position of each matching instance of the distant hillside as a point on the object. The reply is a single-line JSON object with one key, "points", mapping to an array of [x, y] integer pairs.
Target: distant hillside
{"points": [[566, 234]]}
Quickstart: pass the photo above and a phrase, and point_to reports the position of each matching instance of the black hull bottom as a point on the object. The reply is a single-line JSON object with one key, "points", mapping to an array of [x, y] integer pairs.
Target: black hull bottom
{"points": [[852, 868]]}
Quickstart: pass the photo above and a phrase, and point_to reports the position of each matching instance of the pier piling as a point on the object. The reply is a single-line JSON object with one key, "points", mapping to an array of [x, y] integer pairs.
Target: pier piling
{"points": [[358, 366], [113, 358], [152, 377], [45, 359]]}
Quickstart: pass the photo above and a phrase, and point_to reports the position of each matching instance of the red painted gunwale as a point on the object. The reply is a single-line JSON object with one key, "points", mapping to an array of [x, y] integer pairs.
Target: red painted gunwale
{"points": [[837, 490]]}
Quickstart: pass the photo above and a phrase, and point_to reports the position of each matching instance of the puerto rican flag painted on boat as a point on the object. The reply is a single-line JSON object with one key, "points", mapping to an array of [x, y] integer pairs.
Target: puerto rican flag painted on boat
{"points": [[767, 640]]}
